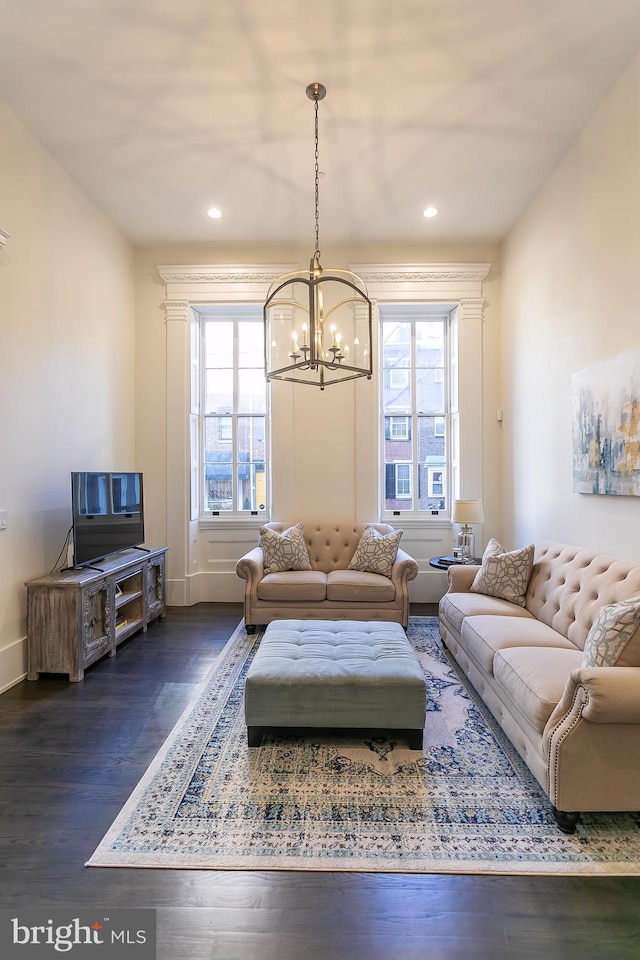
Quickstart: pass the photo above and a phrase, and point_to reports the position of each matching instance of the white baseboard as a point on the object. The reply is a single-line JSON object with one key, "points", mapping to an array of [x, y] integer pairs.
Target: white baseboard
{"points": [[206, 587], [13, 664]]}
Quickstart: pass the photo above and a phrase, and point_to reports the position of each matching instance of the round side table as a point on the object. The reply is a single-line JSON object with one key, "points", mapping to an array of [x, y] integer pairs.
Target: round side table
{"points": [[443, 563]]}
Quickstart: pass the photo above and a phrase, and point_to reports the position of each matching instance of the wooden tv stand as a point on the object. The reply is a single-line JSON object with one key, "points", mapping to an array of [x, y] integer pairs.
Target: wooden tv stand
{"points": [[76, 616]]}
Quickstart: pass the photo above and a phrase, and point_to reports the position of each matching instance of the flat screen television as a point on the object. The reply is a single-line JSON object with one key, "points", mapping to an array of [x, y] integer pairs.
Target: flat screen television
{"points": [[108, 514]]}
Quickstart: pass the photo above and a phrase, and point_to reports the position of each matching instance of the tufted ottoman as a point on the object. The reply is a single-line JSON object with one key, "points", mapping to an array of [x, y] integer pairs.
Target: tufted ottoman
{"points": [[335, 674]]}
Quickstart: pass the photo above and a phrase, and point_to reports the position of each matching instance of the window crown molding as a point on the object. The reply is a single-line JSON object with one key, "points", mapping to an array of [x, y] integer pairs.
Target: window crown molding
{"points": [[440, 281], [198, 282]]}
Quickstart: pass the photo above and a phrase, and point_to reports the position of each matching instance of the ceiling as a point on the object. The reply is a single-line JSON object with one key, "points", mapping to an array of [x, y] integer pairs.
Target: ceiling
{"points": [[160, 109]]}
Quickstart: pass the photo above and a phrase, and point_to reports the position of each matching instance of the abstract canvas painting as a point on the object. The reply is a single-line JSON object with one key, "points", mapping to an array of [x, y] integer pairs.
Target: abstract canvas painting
{"points": [[606, 426]]}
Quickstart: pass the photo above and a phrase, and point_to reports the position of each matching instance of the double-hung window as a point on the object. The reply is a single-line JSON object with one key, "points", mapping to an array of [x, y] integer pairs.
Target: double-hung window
{"points": [[233, 408], [414, 408]]}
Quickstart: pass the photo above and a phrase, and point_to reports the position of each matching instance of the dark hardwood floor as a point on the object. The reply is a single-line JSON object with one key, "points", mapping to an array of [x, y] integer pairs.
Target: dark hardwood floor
{"points": [[71, 754]]}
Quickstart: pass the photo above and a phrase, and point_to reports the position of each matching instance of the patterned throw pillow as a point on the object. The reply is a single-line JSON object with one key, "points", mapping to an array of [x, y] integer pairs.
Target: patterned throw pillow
{"points": [[614, 638], [492, 549], [376, 552], [504, 574], [284, 551]]}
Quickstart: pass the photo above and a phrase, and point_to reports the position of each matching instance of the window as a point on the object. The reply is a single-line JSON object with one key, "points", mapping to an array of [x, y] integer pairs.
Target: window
{"points": [[225, 428], [453, 290], [402, 480], [414, 408], [436, 483], [398, 377], [234, 406], [399, 428]]}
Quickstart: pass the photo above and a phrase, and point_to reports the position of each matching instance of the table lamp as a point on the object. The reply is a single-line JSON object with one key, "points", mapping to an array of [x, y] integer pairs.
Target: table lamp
{"points": [[466, 512]]}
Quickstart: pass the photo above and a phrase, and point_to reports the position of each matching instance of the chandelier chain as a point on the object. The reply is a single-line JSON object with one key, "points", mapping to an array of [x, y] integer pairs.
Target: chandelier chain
{"points": [[300, 346], [317, 191]]}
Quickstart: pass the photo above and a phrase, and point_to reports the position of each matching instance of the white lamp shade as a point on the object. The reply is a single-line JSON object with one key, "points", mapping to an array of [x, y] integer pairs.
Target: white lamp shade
{"points": [[467, 511]]}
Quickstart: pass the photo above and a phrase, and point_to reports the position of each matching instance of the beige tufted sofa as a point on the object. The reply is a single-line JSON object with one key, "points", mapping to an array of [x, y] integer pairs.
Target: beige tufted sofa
{"points": [[577, 728], [329, 591]]}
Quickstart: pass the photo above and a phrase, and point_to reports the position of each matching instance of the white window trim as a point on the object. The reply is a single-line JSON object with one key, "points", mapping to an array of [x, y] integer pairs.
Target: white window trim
{"points": [[413, 313], [188, 286], [236, 313], [459, 286]]}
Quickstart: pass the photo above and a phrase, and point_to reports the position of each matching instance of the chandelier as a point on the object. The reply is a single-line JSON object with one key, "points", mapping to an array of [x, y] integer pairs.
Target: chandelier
{"points": [[317, 324]]}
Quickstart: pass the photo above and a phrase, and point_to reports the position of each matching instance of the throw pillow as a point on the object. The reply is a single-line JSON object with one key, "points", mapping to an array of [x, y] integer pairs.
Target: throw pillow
{"points": [[376, 552], [492, 549], [284, 551], [504, 574], [614, 638]]}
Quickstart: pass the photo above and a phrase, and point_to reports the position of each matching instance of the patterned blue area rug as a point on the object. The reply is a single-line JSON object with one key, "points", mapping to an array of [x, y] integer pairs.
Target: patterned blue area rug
{"points": [[358, 803]]}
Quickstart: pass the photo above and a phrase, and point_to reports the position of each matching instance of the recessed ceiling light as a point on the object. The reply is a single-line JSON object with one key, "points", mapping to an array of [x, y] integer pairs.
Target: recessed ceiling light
{"points": [[214, 212], [430, 212]]}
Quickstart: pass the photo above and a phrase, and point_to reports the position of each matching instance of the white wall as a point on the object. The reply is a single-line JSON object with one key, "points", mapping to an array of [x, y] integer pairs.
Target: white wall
{"points": [[67, 344], [318, 436], [570, 299], [83, 383]]}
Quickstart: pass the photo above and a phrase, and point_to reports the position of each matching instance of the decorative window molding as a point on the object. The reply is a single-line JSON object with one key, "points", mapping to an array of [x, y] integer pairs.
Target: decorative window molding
{"points": [[188, 286], [227, 282], [440, 281], [459, 286]]}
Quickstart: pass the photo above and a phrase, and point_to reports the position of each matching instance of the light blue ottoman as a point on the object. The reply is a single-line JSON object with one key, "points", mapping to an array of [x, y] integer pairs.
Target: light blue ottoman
{"points": [[311, 674]]}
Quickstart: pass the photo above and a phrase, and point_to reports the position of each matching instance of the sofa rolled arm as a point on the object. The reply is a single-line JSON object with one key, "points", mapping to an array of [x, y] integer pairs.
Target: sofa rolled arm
{"points": [[404, 568], [251, 567], [460, 577], [601, 695], [613, 694]]}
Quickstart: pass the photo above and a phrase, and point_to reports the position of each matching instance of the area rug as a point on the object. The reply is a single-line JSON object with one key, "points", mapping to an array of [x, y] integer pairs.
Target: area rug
{"points": [[365, 802]]}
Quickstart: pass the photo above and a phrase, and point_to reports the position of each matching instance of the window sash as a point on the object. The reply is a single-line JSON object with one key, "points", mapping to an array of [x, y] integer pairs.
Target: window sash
{"points": [[415, 409], [233, 426]]}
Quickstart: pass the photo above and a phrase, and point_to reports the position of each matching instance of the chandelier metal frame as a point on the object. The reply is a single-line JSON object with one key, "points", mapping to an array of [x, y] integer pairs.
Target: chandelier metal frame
{"points": [[319, 355]]}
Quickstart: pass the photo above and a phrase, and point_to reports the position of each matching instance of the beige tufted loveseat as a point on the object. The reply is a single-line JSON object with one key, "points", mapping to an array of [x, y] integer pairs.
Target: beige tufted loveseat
{"points": [[329, 591], [577, 728]]}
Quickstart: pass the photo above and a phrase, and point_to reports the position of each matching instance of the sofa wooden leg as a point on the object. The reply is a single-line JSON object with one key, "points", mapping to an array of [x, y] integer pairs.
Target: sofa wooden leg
{"points": [[566, 821], [250, 627]]}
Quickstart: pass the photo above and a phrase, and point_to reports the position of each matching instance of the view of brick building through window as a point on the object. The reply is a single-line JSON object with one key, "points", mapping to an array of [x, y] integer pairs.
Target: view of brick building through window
{"points": [[414, 376], [415, 412], [234, 411]]}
